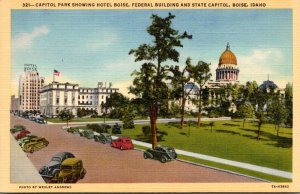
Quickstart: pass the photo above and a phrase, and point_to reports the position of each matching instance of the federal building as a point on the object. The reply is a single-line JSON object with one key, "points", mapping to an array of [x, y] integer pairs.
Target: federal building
{"points": [[56, 97]]}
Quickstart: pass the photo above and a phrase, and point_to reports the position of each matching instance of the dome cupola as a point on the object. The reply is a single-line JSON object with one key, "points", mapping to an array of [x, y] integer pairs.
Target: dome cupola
{"points": [[227, 57]]}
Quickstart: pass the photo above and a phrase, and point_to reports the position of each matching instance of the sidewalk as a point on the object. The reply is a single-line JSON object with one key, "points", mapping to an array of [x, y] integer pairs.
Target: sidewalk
{"points": [[21, 168], [247, 166], [145, 121]]}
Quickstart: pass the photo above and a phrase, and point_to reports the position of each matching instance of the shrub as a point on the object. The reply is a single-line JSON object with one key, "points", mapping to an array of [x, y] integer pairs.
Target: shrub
{"points": [[98, 128]]}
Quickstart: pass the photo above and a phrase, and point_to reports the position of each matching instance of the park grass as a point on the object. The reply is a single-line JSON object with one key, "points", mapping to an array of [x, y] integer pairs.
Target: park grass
{"points": [[251, 173], [227, 140], [58, 120]]}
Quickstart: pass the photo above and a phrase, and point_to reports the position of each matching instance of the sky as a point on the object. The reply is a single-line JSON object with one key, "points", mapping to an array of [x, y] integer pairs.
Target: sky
{"points": [[90, 46]]}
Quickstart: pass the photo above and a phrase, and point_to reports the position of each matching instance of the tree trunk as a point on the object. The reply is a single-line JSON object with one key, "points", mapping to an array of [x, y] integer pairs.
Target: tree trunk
{"points": [[182, 112], [199, 112], [258, 132], [244, 123], [153, 118], [277, 130]]}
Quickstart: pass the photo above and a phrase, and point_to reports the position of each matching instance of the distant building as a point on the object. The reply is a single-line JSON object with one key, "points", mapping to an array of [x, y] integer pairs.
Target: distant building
{"points": [[30, 84], [56, 97], [94, 98], [14, 103]]}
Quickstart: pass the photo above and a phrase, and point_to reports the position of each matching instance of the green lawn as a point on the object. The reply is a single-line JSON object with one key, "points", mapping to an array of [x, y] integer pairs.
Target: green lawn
{"points": [[229, 168], [58, 120], [228, 140]]}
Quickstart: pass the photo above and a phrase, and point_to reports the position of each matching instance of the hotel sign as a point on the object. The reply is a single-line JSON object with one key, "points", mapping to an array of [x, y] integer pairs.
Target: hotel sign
{"points": [[30, 67]]}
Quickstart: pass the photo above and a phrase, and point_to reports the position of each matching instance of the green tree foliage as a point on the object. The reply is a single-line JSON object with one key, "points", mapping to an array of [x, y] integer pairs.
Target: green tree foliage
{"points": [[245, 111], [81, 112], [117, 103], [149, 83], [201, 74], [179, 79], [65, 115], [278, 113], [289, 103]]}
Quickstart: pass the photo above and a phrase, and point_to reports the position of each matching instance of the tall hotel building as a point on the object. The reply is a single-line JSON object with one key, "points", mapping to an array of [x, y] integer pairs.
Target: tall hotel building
{"points": [[30, 84]]}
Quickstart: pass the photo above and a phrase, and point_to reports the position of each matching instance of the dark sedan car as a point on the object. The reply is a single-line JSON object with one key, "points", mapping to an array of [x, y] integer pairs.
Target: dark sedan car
{"points": [[51, 171], [162, 154], [103, 137]]}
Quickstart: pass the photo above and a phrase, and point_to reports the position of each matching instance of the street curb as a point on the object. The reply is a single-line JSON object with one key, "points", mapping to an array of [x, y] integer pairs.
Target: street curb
{"points": [[215, 168]]}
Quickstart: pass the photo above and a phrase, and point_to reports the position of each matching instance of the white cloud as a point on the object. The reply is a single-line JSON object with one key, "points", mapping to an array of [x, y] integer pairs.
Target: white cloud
{"points": [[259, 64], [25, 39]]}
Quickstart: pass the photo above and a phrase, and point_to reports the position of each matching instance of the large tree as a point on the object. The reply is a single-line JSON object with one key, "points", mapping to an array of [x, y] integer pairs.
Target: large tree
{"points": [[278, 113], [245, 111], [149, 83], [289, 103], [179, 80], [201, 74], [65, 115]]}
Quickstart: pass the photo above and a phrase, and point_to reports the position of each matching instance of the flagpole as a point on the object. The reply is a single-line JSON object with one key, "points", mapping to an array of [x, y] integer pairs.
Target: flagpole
{"points": [[53, 75]]}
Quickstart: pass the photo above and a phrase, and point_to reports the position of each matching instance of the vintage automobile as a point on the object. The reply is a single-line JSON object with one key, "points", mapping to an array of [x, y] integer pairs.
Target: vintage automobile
{"points": [[116, 129], [25, 139], [51, 171], [73, 130], [21, 134], [40, 120], [103, 137], [35, 143], [86, 133], [123, 143], [32, 118], [17, 128], [162, 154], [71, 170]]}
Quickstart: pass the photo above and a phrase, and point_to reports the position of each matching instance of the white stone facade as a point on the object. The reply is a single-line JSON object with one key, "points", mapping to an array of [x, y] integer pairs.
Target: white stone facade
{"points": [[56, 97]]}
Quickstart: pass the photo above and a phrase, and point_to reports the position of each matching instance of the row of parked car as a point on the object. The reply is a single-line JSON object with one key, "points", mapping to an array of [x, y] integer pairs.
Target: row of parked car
{"points": [[28, 141], [38, 118], [123, 143], [163, 154]]}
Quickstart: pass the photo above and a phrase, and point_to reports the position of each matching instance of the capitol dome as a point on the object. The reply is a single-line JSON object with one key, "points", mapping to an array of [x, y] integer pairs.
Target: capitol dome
{"points": [[227, 70], [227, 57]]}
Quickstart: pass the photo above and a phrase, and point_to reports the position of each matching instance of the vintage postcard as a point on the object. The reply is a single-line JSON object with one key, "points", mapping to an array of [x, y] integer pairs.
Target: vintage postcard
{"points": [[149, 96]]}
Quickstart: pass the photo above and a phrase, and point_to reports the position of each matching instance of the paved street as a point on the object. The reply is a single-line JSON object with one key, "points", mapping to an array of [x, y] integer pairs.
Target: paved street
{"points": [[108, 165]]}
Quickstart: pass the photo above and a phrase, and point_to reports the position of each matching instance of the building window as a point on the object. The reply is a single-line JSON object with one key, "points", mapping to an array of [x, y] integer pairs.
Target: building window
{"points": [[78, 97], [66, 99], [57, 100], [82, 97], [91, 97]]}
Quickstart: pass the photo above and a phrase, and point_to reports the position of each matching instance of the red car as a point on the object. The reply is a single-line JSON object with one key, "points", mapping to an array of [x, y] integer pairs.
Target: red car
{"points": [[21, 134], [123, 143]]}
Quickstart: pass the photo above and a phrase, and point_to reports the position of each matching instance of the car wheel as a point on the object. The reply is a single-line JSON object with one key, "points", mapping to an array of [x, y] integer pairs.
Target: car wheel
{"points": [[163, 159], [55, 178], [31, 150], [121, 148], [145, 156], [82, 174]]}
